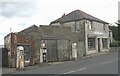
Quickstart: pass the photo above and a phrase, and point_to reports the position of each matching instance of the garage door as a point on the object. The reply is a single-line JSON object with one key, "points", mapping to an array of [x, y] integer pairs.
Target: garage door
{"points": [[52, 52], [63, 52]]}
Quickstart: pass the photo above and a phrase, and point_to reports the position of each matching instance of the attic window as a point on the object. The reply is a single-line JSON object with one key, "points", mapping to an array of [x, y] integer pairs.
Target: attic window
{"points": [[77, 26]]}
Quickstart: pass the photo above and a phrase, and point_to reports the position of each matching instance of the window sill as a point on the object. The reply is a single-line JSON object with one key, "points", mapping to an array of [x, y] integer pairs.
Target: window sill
{"points": [[91, 30], [105, 48], [91, 49]]}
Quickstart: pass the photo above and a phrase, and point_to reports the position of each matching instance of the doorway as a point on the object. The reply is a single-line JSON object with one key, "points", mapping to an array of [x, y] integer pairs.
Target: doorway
{"points": [[98, 44], [52, 51], [74, 50]]}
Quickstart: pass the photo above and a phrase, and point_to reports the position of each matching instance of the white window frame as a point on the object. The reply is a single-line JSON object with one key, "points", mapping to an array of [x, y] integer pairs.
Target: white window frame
{"points": [[104, 42], [77, 26], [90, 26], [91, 43], [104, 27]]}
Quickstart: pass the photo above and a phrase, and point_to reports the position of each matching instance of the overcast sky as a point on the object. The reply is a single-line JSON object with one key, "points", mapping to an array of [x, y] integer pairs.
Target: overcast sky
{"points": [[20, 14]]}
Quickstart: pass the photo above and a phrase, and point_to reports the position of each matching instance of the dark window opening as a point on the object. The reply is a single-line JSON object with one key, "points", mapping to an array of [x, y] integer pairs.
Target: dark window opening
{"points": [[104, 41], [77, 26], [104, 28], [90, 26]]}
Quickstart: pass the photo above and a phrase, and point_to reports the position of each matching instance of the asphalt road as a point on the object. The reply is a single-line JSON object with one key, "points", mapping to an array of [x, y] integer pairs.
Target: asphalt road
{"points": [[104, 64]]}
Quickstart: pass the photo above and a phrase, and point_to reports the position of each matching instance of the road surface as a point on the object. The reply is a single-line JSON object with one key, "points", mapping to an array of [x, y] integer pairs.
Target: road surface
{"points": [[104, 64]]}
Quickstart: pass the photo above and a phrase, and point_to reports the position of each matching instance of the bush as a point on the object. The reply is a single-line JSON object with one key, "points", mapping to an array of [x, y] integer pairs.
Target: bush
{"points": [[118, 43], [115, 44]]}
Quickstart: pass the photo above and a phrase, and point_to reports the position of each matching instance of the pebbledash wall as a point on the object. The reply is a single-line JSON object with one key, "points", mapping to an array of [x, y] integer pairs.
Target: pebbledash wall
{"points": [[91, 32], [99, 31], [62, 37], [67, 40], [58, 39]]}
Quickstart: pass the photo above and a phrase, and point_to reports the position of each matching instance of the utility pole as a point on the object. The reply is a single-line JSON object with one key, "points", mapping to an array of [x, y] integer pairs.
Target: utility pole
{"points": [[119, 33], [10, 30], [118, 27]]}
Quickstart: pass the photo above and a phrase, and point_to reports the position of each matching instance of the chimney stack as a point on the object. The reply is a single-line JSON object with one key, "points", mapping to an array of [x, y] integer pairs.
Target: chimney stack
{"points": [[63, 15]]}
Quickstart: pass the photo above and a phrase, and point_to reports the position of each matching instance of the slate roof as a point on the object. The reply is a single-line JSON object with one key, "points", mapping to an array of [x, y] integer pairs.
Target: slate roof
{"points": [[76, 15]]}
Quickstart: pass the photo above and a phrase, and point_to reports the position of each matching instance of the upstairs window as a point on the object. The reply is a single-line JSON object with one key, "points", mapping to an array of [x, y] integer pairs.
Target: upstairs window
{"points": [[109, 33], [89, 24], [77, 26], [104, 27]]}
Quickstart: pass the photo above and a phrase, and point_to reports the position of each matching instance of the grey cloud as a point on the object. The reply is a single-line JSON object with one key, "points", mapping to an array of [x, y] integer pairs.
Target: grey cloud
{"points": [[21, 9]]}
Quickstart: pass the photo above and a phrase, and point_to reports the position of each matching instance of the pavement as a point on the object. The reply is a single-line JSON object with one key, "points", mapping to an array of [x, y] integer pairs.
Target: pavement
{"points": [[96, 54], [45, 65], [103, 64], [6, 70]]}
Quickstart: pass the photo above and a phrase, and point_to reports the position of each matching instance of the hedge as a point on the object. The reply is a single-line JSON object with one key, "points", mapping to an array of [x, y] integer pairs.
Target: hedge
{"points": [[115, 44]]}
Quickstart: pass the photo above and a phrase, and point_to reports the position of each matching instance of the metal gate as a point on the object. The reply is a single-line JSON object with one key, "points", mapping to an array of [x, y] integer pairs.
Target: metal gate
{"points": [[27, 54]]}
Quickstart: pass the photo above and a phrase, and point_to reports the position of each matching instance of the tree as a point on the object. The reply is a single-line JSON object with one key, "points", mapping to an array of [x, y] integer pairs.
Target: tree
{"points": [[118, 30]]}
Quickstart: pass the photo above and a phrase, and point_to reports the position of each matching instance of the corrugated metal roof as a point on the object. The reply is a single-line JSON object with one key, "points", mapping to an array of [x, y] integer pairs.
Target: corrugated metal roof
{"points": [[76, 15]]}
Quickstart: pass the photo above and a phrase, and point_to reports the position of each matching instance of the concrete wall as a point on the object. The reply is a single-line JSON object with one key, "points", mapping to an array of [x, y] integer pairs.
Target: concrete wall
{"points": [[97, 32], [77, 37], [60, 32], [98, 29], [81, 37], [33, 33], [54, 34], [47, 33], [15, 40], [29, 36], [56, 24], [70, 24]]}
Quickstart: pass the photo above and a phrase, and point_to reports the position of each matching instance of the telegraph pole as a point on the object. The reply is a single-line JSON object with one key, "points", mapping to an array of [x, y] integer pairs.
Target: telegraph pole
{"points": [[10, 30], [118, 29]]}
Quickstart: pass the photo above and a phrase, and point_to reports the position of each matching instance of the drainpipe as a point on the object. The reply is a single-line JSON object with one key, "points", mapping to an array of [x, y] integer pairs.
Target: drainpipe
{"points": [[86, 39]]}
